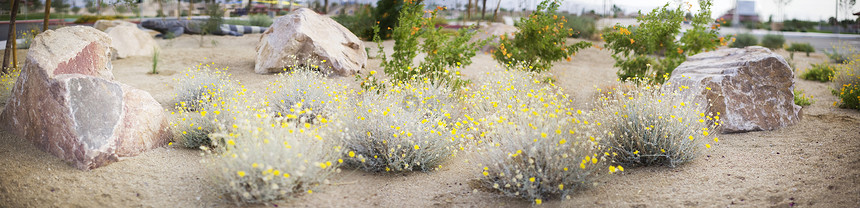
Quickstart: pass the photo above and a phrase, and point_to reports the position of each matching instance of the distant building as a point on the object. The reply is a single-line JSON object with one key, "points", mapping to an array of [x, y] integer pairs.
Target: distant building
{"points": [[746, 12]]}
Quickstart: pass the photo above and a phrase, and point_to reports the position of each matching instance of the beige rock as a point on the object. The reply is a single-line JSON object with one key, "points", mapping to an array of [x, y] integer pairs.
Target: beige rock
{"points": [[104, 25], [303, 36], [493, 31], [66, 102], [128, 41], [751, 88]]}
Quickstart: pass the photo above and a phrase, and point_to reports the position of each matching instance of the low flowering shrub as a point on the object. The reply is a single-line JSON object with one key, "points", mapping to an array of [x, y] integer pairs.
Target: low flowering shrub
{"points": [[532, 144], [822, 72], [405, 128], [656, 125], [847, 83], [268, 158], [303, 94], [205, 99], [7, 81], [801, 99], [541, 40]]}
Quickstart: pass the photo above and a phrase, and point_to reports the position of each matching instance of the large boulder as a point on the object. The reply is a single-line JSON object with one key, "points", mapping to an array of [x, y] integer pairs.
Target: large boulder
{"points": [[128, 40], [492, 32], [305, 37], [66, 102], [751, 88], [104, 25]]}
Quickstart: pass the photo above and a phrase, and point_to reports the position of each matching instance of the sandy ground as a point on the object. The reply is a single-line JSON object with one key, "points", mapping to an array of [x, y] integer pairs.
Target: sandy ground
{"points": [[810, 164]]}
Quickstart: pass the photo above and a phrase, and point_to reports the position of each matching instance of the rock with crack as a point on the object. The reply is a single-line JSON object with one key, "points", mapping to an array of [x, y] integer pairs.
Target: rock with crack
{"points": [[66, 102], [305, 38], [751, 88]]}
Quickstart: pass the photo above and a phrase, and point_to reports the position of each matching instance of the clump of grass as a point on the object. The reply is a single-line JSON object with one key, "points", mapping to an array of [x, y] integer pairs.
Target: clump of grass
{"points": [[532, 144], [405, 128], [801, 99], [205, 100], [656, 125], [801, 47], [822, 72], [154, 60], [744, 40], [268, 158]]}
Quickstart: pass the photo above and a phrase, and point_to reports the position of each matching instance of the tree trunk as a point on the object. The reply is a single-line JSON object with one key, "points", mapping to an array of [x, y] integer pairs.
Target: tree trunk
{"points": [[497, 9], [178, 9], [483, 9], [11, 38], [468, 10], [160, 9], [290, 7], [47, 15], [325, 8], [190, 8]]}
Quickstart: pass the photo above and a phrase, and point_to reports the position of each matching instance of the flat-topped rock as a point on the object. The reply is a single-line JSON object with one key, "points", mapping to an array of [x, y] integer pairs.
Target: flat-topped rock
{"points": [[66, 102], [751, 88]]}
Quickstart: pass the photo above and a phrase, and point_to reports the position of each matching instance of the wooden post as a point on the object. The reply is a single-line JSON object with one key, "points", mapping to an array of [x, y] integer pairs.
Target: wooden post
{"points": [[11, 38], [47, 15]]}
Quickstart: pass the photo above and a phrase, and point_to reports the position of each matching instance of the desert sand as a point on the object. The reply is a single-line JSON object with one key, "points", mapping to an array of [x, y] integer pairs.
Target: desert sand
{"points": [[813, 163]]}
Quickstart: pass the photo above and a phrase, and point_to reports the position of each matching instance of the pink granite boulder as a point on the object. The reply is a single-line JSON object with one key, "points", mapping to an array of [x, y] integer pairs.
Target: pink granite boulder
{"points": [[751, 88], [66, 102]]}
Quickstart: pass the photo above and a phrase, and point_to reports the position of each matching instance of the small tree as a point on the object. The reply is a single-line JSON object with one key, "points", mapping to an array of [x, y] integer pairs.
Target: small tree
{"points": [[541, 40], [651, 49]]}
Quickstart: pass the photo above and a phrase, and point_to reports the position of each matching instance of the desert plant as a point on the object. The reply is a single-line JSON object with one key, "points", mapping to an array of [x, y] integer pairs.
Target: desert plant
{"points": [[744, 40], [154, 60], [302, 95], [267, 158], [532, 144], [822, 72], [28, 37], [541, 39], [583, 26], [205, 100], [656, 125], [387, 16], [652, 50], [7, 81], [444, 54], [773, 41], [801, 99], [847, 82], [406, 128], [801, 47]]}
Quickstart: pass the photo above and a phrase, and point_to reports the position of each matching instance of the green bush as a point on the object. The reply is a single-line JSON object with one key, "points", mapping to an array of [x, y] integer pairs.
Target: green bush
{"points": [[819, 72], [651, 48], [583, 26], [801, 47], [801, 99], [655, 125], [541, 40], [444, 54], [773, 41], [260, 20], [360, 24], [386, 16], [744, 40]]}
